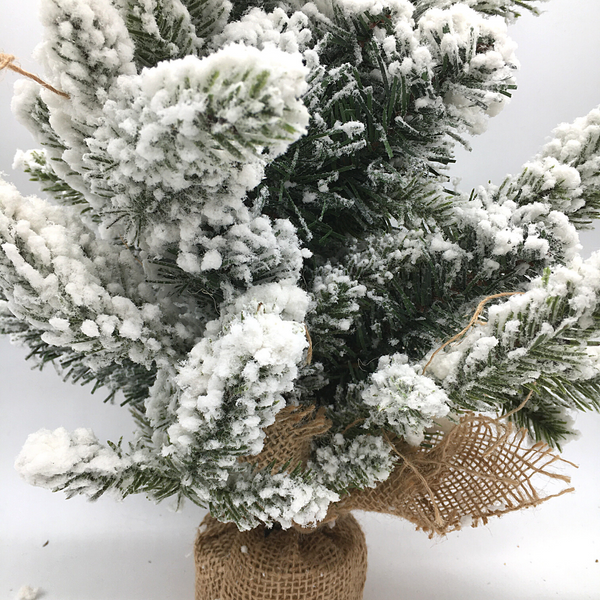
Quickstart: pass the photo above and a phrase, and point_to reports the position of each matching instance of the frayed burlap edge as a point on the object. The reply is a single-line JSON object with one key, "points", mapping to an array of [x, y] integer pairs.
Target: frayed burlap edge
{"points": [[483, 467]]}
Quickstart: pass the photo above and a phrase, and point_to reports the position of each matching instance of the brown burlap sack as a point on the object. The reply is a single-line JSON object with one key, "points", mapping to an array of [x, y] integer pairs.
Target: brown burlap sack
{"points": [[327, 564], [483, 467]]}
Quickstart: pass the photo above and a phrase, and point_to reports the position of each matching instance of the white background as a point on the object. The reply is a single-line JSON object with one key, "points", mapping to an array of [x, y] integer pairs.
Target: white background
{"points": [[133, 550]]}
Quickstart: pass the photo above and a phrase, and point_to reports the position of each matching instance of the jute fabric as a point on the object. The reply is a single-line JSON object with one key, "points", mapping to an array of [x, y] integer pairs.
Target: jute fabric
{"points": [[288, 442], [483, 467], [328, 564]]}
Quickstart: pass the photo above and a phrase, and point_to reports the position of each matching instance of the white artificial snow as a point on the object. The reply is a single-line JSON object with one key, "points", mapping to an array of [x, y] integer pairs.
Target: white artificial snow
{"points": [[340, 461], [335, 289], [90, 328], [85, 303], [400, 8], [189, 262], [350, 128], [285, 499], [144, 110], [396, 394], [100, 38], [466, 521], [579, 282], [505, 228], [442, 35], [566, 170], [454, 32], [570, 139], [246, 251], [28, 593], [166, 158], [254, 345], [83, 65], [283, 298], [211, 260], [172, 13], [480, 351], [262, 30], [51, 458]]}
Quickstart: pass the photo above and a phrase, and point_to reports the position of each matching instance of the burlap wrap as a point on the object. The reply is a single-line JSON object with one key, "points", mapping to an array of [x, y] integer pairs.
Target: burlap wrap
{"points": [[289, 440], [483, 467], [328, 564]]}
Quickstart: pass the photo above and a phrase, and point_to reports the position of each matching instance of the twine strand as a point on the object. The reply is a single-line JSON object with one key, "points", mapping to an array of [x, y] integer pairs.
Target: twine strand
{"points": [[309, 352], [7, 61], [474, 321], [438, 519], [520, 407], [130, 250]]}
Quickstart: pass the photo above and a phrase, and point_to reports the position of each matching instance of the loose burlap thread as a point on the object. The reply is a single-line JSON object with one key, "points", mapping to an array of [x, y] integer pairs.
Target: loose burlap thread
{"points": [[483, 467]]}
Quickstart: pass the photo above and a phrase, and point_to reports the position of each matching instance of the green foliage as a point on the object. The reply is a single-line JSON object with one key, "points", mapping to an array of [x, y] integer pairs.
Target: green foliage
{"points": [[570, 184], [545, 354], [239, 7], [205, 196], [509, 9], [207, 16], [37, 167], [544, 414], [123, 378], [165, 32], [332, 184]]}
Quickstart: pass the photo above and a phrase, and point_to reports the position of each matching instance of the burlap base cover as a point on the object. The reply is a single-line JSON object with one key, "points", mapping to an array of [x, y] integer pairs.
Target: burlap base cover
{"points": [[327, 564], [483, 467]]}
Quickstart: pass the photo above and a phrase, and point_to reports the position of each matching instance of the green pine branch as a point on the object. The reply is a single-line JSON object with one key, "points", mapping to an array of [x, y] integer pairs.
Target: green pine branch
{"points": [[208, 16], [509, 9], [544, 414], [565, 176], [544, 351], [124, 377], [36, 165], [161, 31]]}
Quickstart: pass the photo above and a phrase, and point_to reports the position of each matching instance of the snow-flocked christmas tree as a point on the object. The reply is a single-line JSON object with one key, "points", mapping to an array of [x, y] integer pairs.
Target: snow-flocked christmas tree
{"points": [[249, 211]]}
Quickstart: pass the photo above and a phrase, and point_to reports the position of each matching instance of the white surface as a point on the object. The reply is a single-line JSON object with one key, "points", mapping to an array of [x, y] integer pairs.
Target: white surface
{"points": [[136, 550]]}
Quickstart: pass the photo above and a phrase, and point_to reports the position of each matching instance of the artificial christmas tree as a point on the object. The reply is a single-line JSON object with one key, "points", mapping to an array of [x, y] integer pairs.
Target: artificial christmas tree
{"points": [[258, 221]]}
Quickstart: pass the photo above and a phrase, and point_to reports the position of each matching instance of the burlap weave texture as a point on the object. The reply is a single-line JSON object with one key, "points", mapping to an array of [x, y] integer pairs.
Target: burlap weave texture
{"points": [[289, 440], [483, 467], [327, 564]]}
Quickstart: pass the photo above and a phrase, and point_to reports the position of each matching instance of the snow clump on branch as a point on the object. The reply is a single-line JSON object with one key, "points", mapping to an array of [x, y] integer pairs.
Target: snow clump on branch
{"points": [[184, 141], [401, 400], [240, 370]]}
